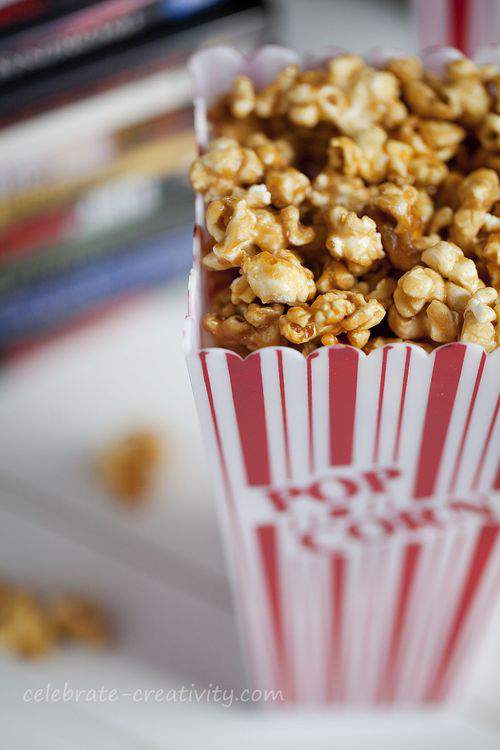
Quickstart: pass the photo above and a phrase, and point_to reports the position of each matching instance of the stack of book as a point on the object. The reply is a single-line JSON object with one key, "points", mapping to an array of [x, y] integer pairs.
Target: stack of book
{"points": [[95, 137]]}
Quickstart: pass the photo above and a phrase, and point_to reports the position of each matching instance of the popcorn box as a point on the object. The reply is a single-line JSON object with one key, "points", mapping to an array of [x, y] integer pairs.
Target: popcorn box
{"points": [[469, 25], [359, 494]]}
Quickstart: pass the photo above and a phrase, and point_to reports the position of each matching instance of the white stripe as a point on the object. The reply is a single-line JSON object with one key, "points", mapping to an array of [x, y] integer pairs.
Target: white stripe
{"points": [[294, 373], [369, 369], [274, 420], [458, 417]]}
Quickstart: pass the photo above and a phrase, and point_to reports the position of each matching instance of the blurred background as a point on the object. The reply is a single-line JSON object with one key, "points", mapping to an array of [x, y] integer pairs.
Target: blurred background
{"points": [[95, 246]]}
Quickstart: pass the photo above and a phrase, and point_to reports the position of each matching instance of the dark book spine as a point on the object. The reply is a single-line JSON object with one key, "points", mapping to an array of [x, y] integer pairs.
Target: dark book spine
{"points": [[42, 306], [75, 34]]}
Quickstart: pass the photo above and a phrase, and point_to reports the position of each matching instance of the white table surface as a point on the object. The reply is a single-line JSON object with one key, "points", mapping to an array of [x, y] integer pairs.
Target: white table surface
{"points": [[159, 569]]}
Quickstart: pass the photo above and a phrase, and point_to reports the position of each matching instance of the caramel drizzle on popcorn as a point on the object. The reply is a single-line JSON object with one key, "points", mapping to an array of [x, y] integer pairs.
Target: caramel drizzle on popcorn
{"points": [[355, 206]]}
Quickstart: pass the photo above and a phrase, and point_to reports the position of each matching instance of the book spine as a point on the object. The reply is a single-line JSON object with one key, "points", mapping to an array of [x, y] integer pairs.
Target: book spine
{"points": [[75, 34], [42, 306]]}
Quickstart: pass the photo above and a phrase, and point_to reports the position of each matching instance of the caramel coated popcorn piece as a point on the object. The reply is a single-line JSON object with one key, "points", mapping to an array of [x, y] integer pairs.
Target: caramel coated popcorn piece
{"points": [[370, 154], [242, 97], [416, 288], [477, 193], [353, 239], [273, 99], [25, 627], [129, 465], [330, 315], [461, 96], [31, 628], [438, 138], [479, 318], [288, 187], [79, 619], [331, 188], [276, 154], [489, 132], [225, 165], [335, 275], [240, 229], [448, 260], [279, 278], [243, 326]]}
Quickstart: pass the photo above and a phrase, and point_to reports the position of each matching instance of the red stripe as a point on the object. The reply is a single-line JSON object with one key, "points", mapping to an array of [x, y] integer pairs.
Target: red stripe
{"points": [[310, 410], [335, 688], [496, 483], [395, 455], [459, 10], [477, 567], [281, 376], [231, 505], [442, 393], [248, 398], [458, 461], [407, 582], [381, 389], [208, 388], [343, 379], [482, 458], [268, 549]]}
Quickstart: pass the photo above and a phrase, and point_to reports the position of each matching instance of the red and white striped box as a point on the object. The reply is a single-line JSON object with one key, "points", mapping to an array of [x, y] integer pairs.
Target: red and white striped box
{"points": [[359, 495], [470, 25]]}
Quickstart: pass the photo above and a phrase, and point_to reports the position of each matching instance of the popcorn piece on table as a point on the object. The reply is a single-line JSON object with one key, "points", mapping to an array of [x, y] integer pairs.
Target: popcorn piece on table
{"points": [[79, 619], [26, 629], [128, 465]]}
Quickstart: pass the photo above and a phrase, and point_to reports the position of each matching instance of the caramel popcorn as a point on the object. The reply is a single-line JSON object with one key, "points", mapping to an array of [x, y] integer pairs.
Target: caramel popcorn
{"points": [[25, 627], [450, 262], [416, 288], [461, 96], [479, 318], [276, 154], [242, 97], [240, 229], [79, 619], [353, 239], [279, 278], [335, 275], [31, 628], [330, 315], [225, 165], [287, 187], [332, 188], [347, 201], [128, 465], [246, 326], [477, 194]]}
